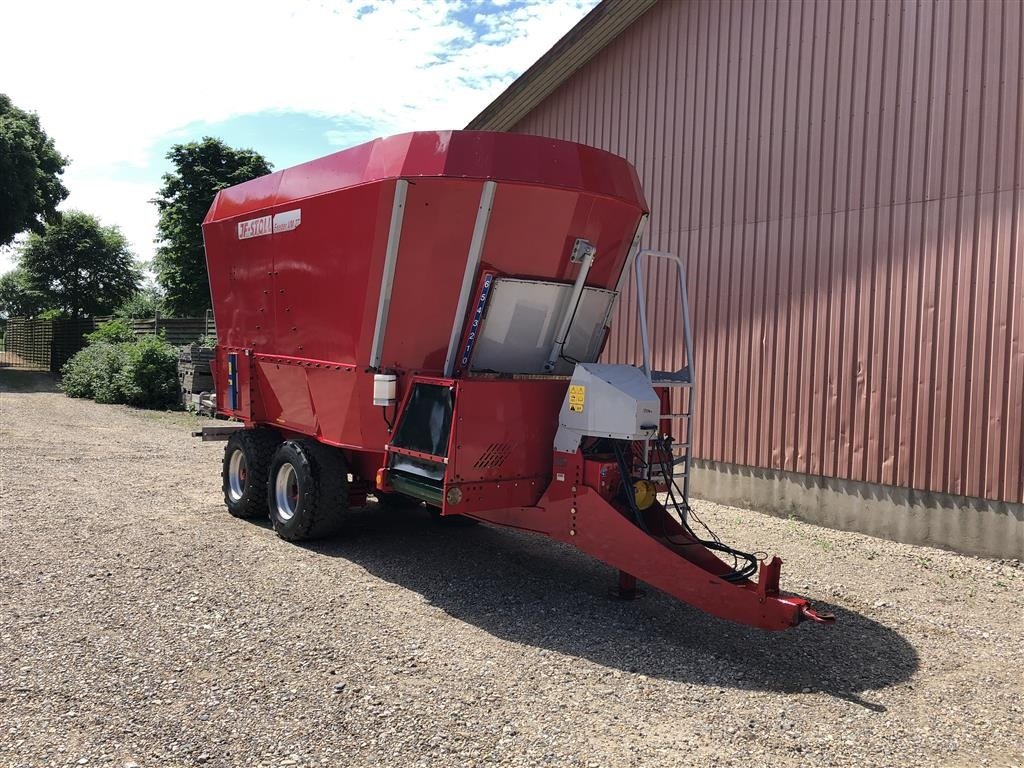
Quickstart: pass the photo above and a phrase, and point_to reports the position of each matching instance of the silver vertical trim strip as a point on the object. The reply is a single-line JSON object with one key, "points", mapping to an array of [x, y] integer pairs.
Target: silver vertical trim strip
{"points": [[476, 247], [387, 279]]}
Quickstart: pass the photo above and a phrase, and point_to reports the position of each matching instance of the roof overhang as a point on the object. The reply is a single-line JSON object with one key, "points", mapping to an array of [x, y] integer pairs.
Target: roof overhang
{"points": [[579, 45]]}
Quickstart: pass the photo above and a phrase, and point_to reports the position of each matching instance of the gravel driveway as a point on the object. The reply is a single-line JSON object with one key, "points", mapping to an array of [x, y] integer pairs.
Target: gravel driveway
{"points": [[139, 623]]}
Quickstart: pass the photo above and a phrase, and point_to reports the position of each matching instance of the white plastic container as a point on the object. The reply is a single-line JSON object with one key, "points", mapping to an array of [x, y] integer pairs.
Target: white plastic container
{"points": [[385, 388]]}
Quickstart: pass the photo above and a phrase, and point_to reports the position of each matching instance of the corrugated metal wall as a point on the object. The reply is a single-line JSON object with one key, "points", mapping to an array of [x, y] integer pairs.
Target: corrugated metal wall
{"points": [[845, 182]]}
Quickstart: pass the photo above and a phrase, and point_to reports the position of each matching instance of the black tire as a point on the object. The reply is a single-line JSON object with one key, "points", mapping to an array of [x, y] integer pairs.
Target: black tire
{"points": [[246, 496], [316, 494]]}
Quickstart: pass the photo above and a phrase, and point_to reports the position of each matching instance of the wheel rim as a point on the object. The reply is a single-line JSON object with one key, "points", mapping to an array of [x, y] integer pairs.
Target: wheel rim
{"points": [[237, 470], [286, 491]]}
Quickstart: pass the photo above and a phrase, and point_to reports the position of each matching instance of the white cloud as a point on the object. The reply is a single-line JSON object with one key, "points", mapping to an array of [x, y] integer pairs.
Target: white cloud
{"points": [[110, 78], [125, 203]]}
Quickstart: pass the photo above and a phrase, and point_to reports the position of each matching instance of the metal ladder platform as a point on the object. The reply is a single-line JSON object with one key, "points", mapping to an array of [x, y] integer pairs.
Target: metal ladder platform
{"points": [[681, 379]]}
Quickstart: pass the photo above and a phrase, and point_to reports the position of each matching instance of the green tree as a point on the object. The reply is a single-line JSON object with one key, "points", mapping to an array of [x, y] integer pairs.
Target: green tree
{"points": [[79, 266], [17, 297], [147, 302], [201, 169], [30, 168]]}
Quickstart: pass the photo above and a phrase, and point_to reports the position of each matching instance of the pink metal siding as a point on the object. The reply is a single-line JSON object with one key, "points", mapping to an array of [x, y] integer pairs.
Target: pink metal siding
{"points": [[846, 183]]}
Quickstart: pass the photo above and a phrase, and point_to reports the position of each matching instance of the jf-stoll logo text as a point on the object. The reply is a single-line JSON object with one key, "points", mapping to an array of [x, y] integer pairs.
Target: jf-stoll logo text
{"points": [[266, 225]]}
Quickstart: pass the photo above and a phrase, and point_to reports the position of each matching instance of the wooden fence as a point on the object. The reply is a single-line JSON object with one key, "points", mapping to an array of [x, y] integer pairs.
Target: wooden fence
{"points": [[178, 331], [44, 345], [48, 344]]}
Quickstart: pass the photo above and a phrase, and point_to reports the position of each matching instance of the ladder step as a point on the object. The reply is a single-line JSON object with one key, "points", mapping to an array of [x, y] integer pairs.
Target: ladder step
{"points": [[680, 378]]}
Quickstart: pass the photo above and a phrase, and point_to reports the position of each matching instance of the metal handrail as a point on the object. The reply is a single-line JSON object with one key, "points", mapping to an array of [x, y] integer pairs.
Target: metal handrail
{"points": [[640, 275]]}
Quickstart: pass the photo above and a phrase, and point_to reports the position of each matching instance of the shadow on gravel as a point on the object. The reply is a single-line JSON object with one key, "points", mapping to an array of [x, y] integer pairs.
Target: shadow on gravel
{"points": [[531, 590], [15, 380]]}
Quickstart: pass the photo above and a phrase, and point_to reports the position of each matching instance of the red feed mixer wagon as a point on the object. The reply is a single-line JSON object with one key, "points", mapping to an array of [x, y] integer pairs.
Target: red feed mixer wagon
{"points": [[420, 318]]}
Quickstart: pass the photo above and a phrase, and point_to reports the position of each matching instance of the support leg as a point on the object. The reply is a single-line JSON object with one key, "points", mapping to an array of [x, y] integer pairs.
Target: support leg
{"points": [[627, 589]]}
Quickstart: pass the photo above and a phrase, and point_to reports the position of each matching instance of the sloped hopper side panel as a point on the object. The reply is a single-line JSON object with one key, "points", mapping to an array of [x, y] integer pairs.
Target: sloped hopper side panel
{"points": [[522, 318]]}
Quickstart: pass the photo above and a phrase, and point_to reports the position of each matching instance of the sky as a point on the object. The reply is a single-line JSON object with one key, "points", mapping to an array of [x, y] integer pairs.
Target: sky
{"points": [[115, 84]]}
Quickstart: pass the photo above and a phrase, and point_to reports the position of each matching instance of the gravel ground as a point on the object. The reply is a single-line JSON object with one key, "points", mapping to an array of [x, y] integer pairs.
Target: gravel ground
{"points": [[140, 624]]}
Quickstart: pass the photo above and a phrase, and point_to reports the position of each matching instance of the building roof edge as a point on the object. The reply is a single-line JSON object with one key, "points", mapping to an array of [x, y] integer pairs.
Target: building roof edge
{"points": [[579, 45]]}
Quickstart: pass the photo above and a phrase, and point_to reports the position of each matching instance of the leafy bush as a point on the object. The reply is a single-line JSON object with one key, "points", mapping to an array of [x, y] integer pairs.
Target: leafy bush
{"points": [[143, 372], [149, 378], [92, 372], [110, 363], [112, 332], [208, 341], [76, 375]]}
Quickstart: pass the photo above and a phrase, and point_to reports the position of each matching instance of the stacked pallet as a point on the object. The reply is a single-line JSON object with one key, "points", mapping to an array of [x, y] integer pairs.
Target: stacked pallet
{"points": [[196, 378]]}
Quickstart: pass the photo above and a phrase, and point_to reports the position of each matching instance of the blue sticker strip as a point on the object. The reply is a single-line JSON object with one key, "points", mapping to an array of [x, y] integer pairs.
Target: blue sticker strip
{"points": [[478, 317], [233, 381]]}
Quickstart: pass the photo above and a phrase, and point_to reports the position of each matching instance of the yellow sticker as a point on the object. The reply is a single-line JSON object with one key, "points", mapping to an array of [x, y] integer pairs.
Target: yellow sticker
{"points": [[577, 394]]}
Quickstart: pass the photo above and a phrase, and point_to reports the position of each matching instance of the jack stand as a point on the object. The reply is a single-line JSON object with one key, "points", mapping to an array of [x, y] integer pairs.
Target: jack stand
{"points": [[626, 589]]}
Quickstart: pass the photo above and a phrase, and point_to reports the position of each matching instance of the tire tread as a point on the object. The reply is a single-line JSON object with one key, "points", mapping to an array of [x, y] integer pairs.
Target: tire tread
{"points": [[325, 500], [259, 445]]}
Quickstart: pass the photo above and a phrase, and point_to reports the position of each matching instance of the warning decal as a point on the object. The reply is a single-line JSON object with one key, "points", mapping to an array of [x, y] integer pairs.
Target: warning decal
{"points": [[577, 394]]}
